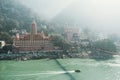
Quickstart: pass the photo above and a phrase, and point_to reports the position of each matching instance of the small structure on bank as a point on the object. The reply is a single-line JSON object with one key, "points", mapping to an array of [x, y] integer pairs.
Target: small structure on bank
{"points": [[2, 44], [32, 41], [70, 33]]}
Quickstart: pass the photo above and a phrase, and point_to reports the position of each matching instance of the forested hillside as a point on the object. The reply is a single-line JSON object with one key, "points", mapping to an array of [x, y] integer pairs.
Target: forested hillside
{"points": [[15, 15]]}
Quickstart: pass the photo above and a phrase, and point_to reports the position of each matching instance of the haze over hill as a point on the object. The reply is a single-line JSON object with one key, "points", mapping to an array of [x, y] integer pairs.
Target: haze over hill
{"points": [[47, 8], [100, 15], [15, 15]]}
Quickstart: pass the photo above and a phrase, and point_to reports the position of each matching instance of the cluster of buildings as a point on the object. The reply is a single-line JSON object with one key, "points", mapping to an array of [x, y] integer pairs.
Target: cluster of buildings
{"points": [[32, 41], [35, 41]]}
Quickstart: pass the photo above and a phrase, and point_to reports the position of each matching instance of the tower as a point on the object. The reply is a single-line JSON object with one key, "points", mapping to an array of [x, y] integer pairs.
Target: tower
{"points": [[33, 28]]}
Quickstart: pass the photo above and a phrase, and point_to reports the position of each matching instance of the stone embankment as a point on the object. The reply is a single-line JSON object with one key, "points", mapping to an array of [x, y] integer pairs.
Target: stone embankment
{"points": [[38, 55]]}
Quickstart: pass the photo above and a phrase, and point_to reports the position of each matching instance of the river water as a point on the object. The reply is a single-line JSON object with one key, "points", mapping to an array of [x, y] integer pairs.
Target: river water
{"points": [[61, 69]]}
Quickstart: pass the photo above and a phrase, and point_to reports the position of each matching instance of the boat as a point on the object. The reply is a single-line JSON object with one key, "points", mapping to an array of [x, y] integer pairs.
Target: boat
{"points": [[77, 71]]}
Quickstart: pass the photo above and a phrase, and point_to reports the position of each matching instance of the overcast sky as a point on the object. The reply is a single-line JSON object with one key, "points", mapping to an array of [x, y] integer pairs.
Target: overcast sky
{"points": [[100, 14]]}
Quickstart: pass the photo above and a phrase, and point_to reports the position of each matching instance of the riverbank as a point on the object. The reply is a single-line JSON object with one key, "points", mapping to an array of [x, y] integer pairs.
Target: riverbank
{"points": [[52, 55], [43, 55]]}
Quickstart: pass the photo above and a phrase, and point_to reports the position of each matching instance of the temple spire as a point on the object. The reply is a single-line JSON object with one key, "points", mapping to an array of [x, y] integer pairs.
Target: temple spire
{"points": [[34, 28]]}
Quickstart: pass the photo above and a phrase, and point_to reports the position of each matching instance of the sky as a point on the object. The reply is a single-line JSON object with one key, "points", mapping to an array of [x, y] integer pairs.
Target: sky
{"points": [[102, 15]]}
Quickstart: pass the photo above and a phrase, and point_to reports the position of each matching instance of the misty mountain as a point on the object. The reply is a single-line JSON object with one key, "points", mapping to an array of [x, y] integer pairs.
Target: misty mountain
{"points": [[73, 15], [100, 15], [15, 15]]}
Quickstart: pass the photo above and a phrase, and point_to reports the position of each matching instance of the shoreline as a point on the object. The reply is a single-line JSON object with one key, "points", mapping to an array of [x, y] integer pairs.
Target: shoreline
{"points": [[49, 56]]}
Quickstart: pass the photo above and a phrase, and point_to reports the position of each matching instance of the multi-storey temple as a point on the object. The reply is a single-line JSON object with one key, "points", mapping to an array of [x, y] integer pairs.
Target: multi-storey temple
{"points": [[32, 41], [70, 32]]}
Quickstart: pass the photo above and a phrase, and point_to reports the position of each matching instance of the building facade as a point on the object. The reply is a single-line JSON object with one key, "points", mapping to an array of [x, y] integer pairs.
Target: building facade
{"points": [[70, 33], [32, 41]]}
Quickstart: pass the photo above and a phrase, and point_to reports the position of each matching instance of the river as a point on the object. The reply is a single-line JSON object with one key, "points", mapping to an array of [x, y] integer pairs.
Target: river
{"points": [[61, 69]]}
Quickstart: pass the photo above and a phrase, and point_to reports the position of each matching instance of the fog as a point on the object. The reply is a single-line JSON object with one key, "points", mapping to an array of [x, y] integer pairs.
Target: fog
{"points": [[102, 15], [47, 8]]}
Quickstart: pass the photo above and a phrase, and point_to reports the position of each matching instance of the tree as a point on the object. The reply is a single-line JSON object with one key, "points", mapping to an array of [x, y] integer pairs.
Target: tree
{"points": [[103, 49], [6, 37], [7, 48], [105, 44], [60, 42], [57, 40]]}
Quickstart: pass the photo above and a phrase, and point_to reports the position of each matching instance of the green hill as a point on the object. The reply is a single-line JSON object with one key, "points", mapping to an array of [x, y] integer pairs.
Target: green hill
{"points": [[15, 15]]}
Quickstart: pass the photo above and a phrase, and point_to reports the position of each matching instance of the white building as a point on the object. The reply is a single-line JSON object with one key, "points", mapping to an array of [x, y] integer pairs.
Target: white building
{"points": [[2, 44]]}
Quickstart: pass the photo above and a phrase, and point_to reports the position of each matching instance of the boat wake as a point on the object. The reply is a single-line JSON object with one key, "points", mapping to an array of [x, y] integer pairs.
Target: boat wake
{"points": [[48, 72]]}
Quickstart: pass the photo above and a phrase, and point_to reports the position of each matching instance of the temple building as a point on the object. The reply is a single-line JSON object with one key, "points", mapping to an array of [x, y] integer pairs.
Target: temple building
{"points": [[70, 33], [32, 41]]}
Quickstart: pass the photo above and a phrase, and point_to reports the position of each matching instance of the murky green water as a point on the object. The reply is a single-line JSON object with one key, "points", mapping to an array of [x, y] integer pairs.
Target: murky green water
{"points": [[61, 69]]}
